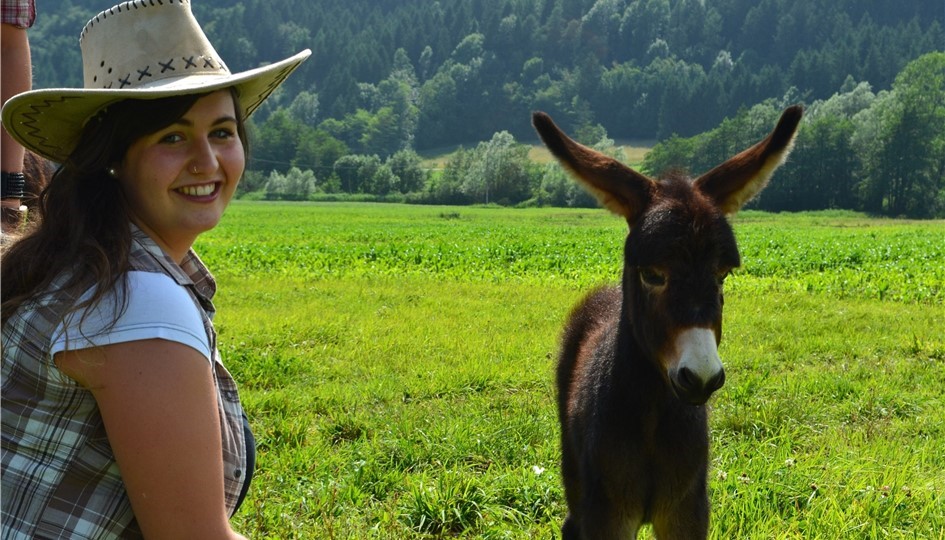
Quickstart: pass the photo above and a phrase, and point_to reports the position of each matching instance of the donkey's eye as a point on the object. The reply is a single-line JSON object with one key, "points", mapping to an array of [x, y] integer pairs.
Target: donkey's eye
{"points": [[652, 277]]}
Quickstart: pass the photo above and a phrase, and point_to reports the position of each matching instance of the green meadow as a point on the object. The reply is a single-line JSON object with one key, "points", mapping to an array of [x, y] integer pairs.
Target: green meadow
{"points": [[396, 363]]}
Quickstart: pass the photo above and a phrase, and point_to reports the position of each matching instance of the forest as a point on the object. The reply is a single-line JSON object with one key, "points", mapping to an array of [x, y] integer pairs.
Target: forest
{"points": [[391, 81]]}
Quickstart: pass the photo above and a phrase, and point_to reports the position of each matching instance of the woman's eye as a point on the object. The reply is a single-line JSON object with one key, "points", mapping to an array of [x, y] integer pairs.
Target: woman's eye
{"points": [[652, 277], [224, 133], [171, 138]]}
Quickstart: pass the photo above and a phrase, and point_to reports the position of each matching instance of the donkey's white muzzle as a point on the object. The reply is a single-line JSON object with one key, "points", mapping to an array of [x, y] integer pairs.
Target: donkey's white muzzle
{"points": [[698, 372]]}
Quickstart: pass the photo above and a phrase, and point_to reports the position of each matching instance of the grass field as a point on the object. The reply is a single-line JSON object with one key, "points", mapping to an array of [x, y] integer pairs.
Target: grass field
{"points": [[396, 363]]}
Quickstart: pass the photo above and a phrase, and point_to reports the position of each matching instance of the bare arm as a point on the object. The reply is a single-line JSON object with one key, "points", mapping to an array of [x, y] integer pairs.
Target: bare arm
{"points": [[158, 403]]}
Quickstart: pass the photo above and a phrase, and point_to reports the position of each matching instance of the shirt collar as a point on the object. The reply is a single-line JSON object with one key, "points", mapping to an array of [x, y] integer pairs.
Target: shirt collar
{"points": [[191, 272]]}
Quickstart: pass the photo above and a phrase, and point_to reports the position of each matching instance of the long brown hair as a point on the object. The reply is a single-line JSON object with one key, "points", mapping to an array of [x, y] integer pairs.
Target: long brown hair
{"points": [[83, 226]]}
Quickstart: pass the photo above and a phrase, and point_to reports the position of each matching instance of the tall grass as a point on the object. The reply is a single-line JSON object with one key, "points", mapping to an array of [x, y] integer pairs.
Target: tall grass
{"points": [[396, 363]]}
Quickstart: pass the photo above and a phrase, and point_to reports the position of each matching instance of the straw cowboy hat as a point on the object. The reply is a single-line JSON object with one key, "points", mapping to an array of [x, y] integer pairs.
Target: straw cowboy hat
{"points": [[140, 49]]}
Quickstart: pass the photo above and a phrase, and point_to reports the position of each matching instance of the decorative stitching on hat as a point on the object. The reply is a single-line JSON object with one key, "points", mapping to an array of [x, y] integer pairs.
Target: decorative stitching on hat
{"points": [[34, 132], [270, 88]]}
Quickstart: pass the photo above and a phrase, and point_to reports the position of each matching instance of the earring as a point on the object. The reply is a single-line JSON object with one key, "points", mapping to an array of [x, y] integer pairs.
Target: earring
{"points": [[112, 172]]}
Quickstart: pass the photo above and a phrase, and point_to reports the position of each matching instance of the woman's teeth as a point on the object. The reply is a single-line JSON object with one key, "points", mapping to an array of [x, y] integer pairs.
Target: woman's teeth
{"points": [[198, 191]]}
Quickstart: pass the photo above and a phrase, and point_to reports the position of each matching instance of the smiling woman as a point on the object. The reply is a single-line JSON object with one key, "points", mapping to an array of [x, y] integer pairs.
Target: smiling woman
{"points": [[119, 418]]}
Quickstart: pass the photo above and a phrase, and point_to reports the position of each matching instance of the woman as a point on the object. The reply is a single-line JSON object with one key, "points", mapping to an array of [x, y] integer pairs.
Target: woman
{"points": [[118, 418]]}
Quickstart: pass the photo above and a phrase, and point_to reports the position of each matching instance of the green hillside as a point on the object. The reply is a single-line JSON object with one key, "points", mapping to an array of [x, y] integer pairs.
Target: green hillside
{"points": [[454, 72]]}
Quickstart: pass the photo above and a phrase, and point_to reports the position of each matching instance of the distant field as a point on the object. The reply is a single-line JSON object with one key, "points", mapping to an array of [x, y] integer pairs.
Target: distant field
{"points": [[396, 364], [635, 152]]}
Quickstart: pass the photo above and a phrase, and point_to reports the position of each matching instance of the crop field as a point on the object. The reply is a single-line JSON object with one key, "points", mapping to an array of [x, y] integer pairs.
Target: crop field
{"points": [[633, 152], [396, 363]]}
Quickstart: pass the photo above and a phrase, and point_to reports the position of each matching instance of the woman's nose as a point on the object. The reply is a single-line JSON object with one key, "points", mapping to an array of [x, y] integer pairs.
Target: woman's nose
{"points": [[203, 159]]}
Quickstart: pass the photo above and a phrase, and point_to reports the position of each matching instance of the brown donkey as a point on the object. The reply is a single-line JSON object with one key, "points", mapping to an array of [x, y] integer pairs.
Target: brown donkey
{"points": [[638, 362]]}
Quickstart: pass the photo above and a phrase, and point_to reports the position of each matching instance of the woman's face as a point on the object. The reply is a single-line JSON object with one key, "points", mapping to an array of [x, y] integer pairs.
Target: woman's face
{"points": [[180, 179]]}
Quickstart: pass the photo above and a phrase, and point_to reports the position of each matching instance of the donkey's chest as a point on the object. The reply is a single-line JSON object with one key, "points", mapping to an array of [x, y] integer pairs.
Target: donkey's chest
{"points": [[654, 432], [657, 454]]}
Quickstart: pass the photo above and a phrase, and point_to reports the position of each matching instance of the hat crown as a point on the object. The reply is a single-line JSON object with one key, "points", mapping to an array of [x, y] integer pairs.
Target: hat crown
{"points": [[144, 43]]}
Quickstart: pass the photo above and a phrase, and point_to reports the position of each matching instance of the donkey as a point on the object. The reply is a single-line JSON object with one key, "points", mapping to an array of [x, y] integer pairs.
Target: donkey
{"points": [[638, 362]]}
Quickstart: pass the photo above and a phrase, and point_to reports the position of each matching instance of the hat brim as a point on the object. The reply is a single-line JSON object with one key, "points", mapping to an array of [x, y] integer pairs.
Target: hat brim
{"points": [[50, 121]]}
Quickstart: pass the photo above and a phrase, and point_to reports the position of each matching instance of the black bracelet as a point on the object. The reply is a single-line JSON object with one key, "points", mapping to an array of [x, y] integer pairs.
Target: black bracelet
{"points": [[13, 185]]}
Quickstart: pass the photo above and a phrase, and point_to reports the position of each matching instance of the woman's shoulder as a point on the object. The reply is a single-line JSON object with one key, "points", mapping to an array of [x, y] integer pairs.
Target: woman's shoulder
{"points": [[153, 306], [148, 296], [157, 291]]}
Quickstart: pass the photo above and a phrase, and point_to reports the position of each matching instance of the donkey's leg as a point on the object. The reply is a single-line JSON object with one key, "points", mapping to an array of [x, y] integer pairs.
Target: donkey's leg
{"points": [[687, 520], [594, 527], [573, 490], [605, 522], [570, 530], [603, 516]]}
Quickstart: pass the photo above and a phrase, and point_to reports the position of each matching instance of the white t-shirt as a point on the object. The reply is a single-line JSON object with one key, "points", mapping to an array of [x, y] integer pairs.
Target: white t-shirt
{"points": [[157, 308]]}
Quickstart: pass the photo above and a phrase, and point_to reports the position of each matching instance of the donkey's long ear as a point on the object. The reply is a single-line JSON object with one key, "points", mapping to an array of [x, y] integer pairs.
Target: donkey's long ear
{"points": [[735, 182], [619, 188]]}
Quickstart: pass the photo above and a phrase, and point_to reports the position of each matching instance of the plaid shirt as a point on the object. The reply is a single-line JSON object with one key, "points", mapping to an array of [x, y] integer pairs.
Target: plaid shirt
{"points": [[60, 479], [19, 13]]}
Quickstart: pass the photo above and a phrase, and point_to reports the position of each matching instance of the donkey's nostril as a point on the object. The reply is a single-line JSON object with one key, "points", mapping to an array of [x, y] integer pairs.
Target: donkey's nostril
{"points": [[687, 380], [715, 382], [689, 386]]}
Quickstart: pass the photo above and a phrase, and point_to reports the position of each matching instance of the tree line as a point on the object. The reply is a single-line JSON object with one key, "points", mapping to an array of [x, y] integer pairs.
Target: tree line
{"points": [[877, 152]]}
